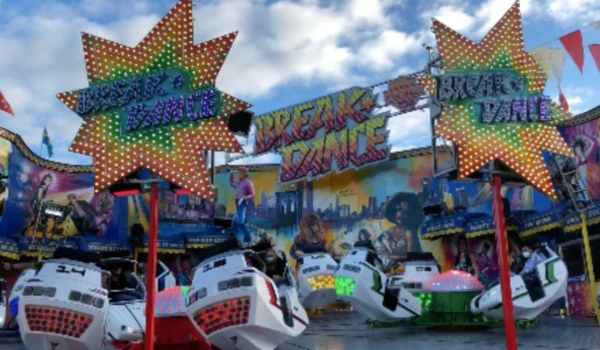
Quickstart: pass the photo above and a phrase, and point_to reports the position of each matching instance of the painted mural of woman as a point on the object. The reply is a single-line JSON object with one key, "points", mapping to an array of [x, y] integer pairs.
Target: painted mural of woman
{"points": [[405, 212], [311, 236], [40, 193], [582, 147]]}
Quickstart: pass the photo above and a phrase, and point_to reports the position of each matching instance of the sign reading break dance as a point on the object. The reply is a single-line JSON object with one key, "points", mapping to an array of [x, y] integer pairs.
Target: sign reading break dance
{"points": [[493, 103], [331, 133], [155, 106], [150, 100], [500, 97]]}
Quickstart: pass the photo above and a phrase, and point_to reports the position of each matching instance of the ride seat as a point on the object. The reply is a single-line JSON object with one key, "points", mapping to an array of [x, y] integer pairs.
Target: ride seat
{"points": [[534, 285], [390, 298]]}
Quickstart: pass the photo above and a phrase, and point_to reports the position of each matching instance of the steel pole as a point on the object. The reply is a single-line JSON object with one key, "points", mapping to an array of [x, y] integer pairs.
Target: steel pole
{"points": [[590, 266], [503, 264], [151, 268]]}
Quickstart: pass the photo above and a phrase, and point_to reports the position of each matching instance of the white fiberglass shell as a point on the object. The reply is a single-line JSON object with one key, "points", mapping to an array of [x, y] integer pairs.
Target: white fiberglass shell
{"points": [[316, 281], [63, 307], [532, 292], [364, 286], [235, 306]]}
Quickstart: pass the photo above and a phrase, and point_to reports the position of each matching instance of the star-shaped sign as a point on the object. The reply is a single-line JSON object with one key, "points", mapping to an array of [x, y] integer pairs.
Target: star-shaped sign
{"points": [[155, 105], [515, 131]]}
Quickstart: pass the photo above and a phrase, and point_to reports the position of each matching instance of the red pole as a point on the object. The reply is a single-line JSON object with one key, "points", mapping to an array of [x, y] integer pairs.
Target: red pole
{"points": [[151, 268], [503, 264]]}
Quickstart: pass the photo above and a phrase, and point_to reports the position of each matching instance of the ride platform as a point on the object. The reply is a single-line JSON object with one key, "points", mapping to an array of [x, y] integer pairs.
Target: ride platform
{"points": [[346, 330]]}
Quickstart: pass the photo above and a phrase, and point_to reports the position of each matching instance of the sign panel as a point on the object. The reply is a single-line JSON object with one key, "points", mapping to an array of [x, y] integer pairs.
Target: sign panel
{"points": [[330, 134], [493, 107], [155, 106]]}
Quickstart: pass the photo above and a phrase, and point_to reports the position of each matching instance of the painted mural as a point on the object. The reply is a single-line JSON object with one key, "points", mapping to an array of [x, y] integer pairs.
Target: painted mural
{"points": [[5, 150], [36, 191], [584, 139], [382, 203]]}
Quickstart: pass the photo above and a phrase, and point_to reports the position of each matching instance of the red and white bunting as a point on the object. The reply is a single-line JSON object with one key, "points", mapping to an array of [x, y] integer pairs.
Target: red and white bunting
{"points": [[4, 106], [573, 43]]}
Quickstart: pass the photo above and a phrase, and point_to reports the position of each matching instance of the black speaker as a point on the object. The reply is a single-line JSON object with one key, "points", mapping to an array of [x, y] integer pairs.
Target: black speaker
{"points": [[223, 223], [136, 237], [240, 123], [506, 207]]}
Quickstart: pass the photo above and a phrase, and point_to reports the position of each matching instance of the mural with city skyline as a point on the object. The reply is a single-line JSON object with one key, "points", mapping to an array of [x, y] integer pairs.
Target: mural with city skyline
{"points": [[382, 203]]}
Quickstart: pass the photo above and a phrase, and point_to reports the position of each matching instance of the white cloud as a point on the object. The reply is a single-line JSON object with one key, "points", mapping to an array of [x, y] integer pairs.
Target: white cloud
{"points": [[574, 11], [330, 43]]}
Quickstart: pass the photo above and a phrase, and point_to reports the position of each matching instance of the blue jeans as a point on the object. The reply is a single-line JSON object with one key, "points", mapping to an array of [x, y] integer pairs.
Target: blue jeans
{"points": [[242, 220]]}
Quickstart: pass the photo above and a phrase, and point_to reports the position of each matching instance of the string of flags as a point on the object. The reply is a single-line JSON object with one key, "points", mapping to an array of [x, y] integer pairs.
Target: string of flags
{"points": [[4, 106], [552, 60]]}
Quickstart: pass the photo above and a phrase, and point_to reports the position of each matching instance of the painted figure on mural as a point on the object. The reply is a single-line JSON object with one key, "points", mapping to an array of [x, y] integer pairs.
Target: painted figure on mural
{"points": [[3, 187], [311, 236], [405, 212], [582, 147], [487, 267], [105, 209], [465, 259], [83, 214], [40, 194], [244, 194]]}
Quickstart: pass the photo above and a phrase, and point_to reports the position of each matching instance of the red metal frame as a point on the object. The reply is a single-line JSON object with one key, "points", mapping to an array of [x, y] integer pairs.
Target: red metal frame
{"points": [[502, 251], [151, 269]]}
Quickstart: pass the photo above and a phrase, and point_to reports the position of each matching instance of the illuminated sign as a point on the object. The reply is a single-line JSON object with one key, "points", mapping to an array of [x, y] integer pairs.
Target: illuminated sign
{"points": [[146, 101], [155, 106], [493, 103], [311, 135], [500, 97]]}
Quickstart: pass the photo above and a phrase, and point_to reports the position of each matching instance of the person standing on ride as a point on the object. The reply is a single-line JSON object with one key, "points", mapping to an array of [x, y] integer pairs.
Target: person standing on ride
{"points": [[185, 276], [275, 267], [124, 287], [244, 193], [310, 237], [464, 258]]}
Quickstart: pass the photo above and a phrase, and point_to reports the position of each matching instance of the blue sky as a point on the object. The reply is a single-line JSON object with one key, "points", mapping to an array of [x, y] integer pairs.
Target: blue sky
{"points": [[286, 52]]}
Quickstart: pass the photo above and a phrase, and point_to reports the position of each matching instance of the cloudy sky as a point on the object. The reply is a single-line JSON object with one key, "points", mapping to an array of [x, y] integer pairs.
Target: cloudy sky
{"points": [[286, 52]]}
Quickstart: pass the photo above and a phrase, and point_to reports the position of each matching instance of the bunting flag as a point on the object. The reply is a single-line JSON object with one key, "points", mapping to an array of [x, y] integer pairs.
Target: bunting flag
{"points": [[597, 25], [562, 99], [4, 106], [551, 61], [573, 43], [595, 51]]}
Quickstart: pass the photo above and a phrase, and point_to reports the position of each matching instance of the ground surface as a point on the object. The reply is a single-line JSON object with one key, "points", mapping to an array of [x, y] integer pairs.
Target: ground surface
{"points": [[347, 331]]}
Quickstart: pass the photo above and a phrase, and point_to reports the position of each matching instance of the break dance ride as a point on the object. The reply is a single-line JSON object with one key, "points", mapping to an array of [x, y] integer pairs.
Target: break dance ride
{"points": [[65, 304], [533, 290], [425, 297], [316, 279], [361, 282], [235, 305]]}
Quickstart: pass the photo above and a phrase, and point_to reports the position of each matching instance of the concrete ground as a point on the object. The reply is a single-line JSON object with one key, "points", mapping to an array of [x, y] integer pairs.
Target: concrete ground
{"points": [[347, 331]]}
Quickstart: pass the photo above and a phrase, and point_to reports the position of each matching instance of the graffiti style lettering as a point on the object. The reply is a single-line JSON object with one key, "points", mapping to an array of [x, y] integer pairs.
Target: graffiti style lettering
{"points": [[301, 161], [345, 109], [487, 90], [144, 103], [299, 120], [311, 135]]}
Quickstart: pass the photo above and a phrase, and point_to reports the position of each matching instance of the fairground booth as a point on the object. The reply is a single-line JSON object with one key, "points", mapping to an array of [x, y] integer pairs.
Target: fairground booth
{"points": [[338, 179]]}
